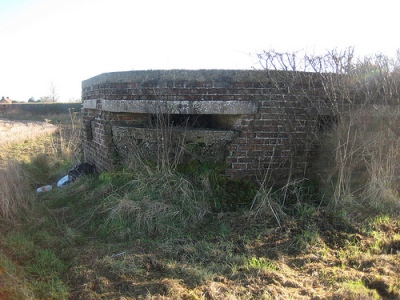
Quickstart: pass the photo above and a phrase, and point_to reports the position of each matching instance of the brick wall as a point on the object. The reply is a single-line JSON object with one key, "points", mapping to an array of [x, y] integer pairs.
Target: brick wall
{"points": [[274, 119]]}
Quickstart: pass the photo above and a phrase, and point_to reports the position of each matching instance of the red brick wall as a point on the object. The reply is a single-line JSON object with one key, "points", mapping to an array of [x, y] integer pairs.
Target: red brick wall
{"points": [[276, 140]]}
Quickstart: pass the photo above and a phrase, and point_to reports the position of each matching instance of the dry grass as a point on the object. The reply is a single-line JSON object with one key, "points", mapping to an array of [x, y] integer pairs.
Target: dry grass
{"points": [[18, 142], [39, 144], [69, 138], [24, 139], [364, 151], [15, 132], [15, 193], [154, 201]]}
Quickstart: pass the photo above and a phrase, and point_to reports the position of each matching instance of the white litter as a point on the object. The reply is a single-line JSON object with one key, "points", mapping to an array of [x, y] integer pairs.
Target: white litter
{"points": [[63, 181], [45, 188]]}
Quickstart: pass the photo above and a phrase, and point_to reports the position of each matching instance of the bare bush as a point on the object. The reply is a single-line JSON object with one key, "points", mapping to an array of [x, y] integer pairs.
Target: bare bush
{"points": [[68, 140], [359, 95]]}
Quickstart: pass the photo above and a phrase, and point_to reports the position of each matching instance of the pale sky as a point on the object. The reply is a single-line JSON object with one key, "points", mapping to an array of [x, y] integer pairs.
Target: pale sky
{"points": [[67, 41]]}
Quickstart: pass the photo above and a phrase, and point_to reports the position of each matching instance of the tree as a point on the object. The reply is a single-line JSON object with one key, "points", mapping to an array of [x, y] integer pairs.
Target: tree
{"points": [[45, 99], [53, 92]]}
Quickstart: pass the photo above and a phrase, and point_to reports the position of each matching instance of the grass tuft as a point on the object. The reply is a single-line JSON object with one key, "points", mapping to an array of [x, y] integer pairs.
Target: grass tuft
{"points": [[154, 202]]}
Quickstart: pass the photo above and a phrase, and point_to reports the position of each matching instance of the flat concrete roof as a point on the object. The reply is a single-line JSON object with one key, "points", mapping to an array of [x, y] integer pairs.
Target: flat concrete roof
{"points": [[178, 75]]}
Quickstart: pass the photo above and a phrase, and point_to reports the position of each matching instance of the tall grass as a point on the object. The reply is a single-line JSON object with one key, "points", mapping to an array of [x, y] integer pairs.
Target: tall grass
{"points": [[28, 271], [364, 147], [155, 201], [19, 179], [15, 192], [70, 139]]}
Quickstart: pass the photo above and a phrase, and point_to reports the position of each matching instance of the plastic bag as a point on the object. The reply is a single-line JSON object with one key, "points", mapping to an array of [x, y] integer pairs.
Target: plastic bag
{"points": [[63, 181]]}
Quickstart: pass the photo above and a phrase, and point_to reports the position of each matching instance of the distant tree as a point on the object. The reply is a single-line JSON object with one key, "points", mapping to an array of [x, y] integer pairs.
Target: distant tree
{"points": [[45, 99], [53, 92], [31, 99]]}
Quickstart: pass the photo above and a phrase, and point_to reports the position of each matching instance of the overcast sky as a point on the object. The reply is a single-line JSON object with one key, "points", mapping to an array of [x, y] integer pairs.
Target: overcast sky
{"points": [[67, 41]]}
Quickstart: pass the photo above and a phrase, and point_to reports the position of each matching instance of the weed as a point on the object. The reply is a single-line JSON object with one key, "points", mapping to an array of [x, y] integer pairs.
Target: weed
{"points": [[124, 265], [364, 173], [351, 254], [355, 290], [45, 264], [266, 205], [307, 239], [381, 220], [378, 242], [260, 264]]}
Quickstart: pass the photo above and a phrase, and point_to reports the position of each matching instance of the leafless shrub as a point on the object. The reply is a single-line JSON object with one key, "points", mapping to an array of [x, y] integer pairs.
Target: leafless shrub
{"points": [[358, 92], [68, 139], [163, 140], [170, 138]]}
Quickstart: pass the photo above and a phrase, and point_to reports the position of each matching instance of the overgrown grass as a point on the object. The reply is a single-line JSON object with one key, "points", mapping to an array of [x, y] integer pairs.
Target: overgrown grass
{"points": [[29, 269], [363, 152], [15, 194], [105, 228]]}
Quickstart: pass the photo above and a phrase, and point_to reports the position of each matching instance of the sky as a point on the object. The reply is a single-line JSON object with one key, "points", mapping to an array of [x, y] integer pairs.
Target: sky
{"points": [[59, 43]]}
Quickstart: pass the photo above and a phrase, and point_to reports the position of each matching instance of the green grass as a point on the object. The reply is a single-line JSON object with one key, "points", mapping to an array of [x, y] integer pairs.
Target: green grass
{"points": [[260, 264], [37, 268]]}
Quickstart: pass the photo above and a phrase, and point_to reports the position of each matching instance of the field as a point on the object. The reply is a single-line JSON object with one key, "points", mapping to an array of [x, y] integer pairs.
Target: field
{"points": [[15, 135]]}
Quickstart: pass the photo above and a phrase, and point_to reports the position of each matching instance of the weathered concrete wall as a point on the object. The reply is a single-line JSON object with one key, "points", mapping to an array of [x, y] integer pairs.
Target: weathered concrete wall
{"points": [[203, 145], [259, 126]]}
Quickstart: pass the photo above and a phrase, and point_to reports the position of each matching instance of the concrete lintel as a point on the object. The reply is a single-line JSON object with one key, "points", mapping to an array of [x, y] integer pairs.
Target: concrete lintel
{"points": [[207, 136], [89, 104], [229, 107]]}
